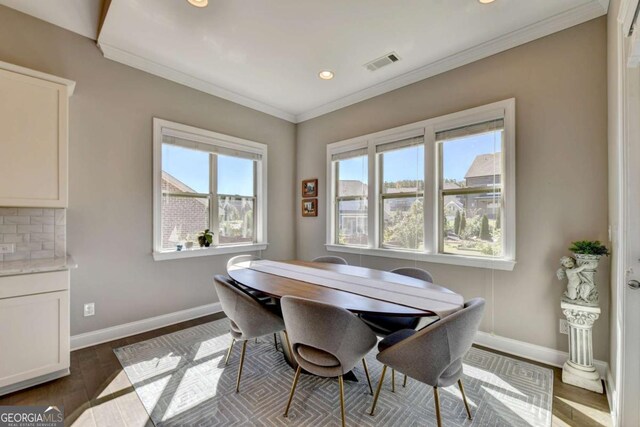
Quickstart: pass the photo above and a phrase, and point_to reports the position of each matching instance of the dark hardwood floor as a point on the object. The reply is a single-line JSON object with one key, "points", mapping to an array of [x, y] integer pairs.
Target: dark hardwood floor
{"points": [[98, 392]]}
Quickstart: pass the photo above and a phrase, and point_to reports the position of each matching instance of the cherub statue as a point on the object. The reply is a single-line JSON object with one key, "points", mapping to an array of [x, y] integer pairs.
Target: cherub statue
{"points": [[580, 283]]}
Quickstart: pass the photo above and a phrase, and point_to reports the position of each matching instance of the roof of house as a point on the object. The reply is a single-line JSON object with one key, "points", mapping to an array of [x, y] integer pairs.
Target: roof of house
{"points": [[353, 187], [484, 165], [177, 183]]}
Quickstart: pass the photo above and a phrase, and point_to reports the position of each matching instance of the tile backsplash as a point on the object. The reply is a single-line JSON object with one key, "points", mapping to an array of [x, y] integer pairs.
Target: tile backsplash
{"points": [[37, 233]]}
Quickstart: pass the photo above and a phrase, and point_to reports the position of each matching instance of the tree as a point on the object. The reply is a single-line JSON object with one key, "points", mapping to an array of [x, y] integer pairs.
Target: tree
{"points": [[485, 233], [407, 227], [463, 222], [498, 220], [456, 223]]}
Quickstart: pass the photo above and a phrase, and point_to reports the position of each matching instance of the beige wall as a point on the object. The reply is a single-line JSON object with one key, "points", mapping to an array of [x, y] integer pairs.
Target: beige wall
{"points": [[559, 83], [110, 193]]}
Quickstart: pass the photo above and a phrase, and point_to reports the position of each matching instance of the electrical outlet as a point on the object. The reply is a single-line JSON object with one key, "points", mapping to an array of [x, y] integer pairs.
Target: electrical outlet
{"points": [[7, 248], [564, 327], [89, 309]]}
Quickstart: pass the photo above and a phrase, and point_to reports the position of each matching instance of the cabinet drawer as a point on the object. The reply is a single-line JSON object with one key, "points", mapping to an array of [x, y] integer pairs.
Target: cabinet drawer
{"points": [[34, 336], [30, 284]]}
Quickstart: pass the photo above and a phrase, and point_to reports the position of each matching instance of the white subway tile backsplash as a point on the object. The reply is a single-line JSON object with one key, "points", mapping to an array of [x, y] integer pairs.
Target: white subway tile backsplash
{"points": [[29, 212], [37, 233], [17, 219]]}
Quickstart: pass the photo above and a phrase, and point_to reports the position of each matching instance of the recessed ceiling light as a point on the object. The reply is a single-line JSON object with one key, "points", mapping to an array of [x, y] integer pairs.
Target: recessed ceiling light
{"points": [[198, 3], [325, 75], [486, 1]]}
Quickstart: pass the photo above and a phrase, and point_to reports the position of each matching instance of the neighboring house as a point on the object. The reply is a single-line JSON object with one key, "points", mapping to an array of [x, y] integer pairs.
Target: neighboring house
{"points": [[484, 172], [353, 213]]}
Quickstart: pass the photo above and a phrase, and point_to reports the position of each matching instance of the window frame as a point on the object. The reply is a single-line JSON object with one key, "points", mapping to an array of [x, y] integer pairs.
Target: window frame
{"points": [[216, 141], [432, 228]]}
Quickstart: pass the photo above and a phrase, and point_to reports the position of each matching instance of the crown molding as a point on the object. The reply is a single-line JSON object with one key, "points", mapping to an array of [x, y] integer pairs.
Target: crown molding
{"points": [[562, 21], [151, 67]]}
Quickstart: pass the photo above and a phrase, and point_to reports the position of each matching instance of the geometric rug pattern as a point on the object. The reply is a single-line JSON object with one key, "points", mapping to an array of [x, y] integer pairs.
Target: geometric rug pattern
{"points": [[182, 381]]}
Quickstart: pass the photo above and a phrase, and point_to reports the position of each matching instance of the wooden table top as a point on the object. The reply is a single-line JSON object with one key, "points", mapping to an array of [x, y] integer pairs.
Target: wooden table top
{"points": [[278, 286]]}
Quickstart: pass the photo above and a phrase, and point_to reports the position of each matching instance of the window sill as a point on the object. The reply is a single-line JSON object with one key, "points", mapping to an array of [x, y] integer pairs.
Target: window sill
{"points": [[467, 261], [198, 252]]}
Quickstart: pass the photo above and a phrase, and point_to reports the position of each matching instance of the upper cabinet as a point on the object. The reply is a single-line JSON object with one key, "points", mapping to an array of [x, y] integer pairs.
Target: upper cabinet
{"points": [[34, 137]]}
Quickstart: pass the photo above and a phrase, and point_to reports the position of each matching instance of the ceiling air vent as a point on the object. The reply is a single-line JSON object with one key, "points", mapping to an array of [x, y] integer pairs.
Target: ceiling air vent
{"points": [[383, 61]]}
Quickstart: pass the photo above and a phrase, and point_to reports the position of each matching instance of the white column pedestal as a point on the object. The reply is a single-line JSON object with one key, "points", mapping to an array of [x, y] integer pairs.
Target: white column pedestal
{"points": [[579, 369]]}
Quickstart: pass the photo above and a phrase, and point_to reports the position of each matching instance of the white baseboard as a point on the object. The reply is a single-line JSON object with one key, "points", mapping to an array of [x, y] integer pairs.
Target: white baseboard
{"points": [[100, 336], [534, 352]]}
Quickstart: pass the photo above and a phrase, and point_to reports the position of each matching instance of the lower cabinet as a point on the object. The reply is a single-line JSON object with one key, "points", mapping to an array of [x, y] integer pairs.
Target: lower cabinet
{"points": [[34, 329]]}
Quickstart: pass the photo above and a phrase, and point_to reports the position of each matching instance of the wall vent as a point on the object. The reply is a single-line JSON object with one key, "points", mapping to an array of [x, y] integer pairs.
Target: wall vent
{"points": [[383, 61]]}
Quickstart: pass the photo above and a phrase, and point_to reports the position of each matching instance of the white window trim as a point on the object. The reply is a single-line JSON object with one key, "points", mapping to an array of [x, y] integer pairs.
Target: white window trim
{"points": [[428, 128], [214, 139]]}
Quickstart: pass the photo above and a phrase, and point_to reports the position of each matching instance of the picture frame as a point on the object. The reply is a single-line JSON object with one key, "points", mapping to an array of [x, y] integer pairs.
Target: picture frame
{"points": [[309, 207], [310, 187]]}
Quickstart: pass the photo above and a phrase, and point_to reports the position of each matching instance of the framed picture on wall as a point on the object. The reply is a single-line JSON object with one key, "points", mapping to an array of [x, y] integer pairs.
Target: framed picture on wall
{"points": [[310, 187], [309, 207]]}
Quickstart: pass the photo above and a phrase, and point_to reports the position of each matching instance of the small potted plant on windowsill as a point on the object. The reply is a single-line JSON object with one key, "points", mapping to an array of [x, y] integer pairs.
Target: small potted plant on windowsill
{"points": [[205, 238]]}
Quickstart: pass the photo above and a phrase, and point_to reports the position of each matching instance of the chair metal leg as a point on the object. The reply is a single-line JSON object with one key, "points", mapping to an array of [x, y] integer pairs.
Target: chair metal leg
{"points": [[393, 380], [341, 383], [464, 398], [293, 389], [375, 398], [275, 341], [226, 360], [244, 348], [436, 396], [366, 372], [404, 382]]}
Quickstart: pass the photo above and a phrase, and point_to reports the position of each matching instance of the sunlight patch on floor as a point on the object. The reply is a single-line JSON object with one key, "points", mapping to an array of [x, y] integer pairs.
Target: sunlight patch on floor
{"points": [[488, 377]]}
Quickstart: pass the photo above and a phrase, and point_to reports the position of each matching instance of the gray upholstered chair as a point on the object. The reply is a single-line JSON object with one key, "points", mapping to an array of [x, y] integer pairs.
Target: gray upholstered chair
{"points": [[248, 317], [326, 341], [331, 260], [434, 354], [385, 325]]}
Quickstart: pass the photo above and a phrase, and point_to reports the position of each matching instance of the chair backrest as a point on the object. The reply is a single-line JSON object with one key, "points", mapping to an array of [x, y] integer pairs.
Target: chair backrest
{"points": [[331, 260], [416, 273], [328, 328], [429, 352], [244, 311]]}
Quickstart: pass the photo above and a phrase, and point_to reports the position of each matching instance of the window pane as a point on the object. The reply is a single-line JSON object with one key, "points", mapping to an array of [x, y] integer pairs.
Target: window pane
{"points": [[403, 170], [472, 224], [236, 218], [184, 170], [403, 223], [472, 161], [353, 176], [352, 222], [182, 219], [235, 176]]}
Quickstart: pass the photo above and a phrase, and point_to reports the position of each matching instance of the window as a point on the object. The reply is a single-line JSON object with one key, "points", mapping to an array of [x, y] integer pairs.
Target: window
{"points": [[444, 190], [204, 180]]}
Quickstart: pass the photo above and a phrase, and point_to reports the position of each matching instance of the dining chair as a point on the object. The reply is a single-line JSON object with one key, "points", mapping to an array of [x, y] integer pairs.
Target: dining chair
{"points": [[434, 354], [248, 317], [331, 260], [384, 325], [326, 341]]}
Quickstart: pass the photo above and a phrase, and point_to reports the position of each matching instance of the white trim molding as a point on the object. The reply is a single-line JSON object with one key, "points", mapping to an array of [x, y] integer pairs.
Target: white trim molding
{"points": [[533, 352], [100, 336]]}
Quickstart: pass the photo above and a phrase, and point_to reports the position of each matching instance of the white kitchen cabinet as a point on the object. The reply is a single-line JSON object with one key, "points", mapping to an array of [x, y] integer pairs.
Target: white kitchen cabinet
{"points": [[34, 134], [34, 329]]}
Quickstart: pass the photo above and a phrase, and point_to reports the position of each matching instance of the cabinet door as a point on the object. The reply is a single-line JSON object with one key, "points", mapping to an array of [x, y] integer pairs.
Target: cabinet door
{"points": [[33, 141], [34, 336]]}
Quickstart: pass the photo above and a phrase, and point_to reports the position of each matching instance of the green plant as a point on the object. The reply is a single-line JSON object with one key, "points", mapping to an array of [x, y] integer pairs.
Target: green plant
{"points": [[205, 238], [498, 220], [485, 233], [463, 222], [588, 247], [456, 223]]}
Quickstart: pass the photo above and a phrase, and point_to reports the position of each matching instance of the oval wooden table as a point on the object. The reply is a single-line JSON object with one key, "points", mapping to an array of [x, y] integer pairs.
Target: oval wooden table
{"points": [[279, 286]]}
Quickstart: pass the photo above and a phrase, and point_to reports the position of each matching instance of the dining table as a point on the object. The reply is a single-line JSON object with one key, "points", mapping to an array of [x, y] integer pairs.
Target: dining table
{"points": [[357, 289]]}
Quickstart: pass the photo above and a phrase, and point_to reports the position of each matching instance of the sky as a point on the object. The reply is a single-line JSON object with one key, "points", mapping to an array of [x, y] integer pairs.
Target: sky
{"points": [[458, 154], [235, 175]]}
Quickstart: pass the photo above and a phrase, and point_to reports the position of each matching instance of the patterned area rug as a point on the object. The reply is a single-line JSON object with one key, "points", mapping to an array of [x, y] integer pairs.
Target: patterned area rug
{"points": [[182, 381]]}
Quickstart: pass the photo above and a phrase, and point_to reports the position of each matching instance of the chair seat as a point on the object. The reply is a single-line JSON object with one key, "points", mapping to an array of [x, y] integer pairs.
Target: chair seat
{"points": [[395, 338], [385, 325], [317, 357]]}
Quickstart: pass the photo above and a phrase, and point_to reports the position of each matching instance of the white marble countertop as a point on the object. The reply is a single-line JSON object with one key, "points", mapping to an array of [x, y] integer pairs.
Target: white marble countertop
{"points": [[11, 268]]}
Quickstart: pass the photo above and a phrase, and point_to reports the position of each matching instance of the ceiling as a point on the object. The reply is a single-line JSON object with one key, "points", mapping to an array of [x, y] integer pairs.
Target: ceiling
{"points": [[266, 54]]}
